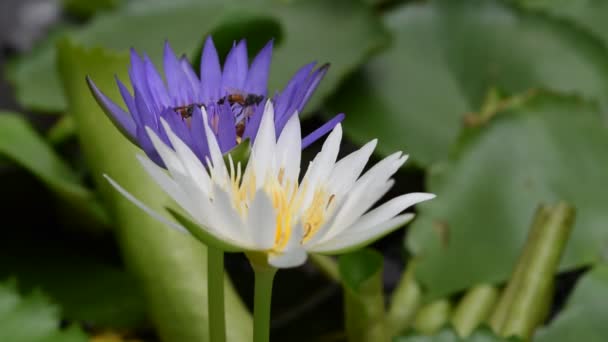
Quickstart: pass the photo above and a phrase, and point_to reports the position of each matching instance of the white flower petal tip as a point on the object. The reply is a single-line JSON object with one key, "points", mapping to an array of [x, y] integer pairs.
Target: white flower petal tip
{"points": [[144, 207], [263, 207]]}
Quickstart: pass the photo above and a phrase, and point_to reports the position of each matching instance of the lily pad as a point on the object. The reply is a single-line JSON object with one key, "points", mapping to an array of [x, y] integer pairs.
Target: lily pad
{"points": [[446, 56], [32, 318], [584, 318], [586, 14], [74, 274], [543, 150], [343, 33]]}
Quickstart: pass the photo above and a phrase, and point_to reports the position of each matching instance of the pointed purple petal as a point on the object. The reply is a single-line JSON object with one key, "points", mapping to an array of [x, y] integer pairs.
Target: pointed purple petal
{"points": [[144, 117], [211, 74], [315, 79], [156, 86], [137, 74], [121, 119], [285, 98], [300, 96], [321, 131], [193, 80], [126, 95], [257, 77], [199, 137], [177, 82], [235, 69], [226, 132]]}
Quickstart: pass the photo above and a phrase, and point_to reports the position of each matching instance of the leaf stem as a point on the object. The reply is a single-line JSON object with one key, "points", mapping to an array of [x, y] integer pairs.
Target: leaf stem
{"points": [[217, 317]]}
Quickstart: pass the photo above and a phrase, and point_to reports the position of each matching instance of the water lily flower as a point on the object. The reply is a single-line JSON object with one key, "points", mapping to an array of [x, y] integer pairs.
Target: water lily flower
{"points": [[265, 208], [233, 97]]}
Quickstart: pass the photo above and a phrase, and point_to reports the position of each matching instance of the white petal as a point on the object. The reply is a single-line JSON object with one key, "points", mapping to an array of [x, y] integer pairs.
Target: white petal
{"points": [[352, 208], [289, 150], [172, 162], [388, 210], [168, 185], [145, 208], [261, 221], [349, 241], [190, 161], [294, 254], [218, 169], [263, 148], [320, 168], [348, 169], [367, 190], [326, 159], [228, 220]]}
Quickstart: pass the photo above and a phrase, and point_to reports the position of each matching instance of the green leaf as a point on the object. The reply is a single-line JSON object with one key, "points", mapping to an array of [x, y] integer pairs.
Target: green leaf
{"points": [[171, 266], [87, 8], [22, 144], [344, 33], [74, 274], [32, 318], [547, 149], [446, 56], [586, 14], [584, 318], [361, 274], [447, 335]]}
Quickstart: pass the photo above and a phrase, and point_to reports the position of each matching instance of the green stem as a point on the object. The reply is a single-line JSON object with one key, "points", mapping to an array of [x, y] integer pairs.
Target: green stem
{"points": [[217, 317], [474, 308], [264, 277], [405, 301], [327, 265]]}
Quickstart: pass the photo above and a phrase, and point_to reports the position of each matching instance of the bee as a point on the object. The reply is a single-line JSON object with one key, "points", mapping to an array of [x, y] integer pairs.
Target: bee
{"points": [[243, 100], [246, 103], [186, 111]]}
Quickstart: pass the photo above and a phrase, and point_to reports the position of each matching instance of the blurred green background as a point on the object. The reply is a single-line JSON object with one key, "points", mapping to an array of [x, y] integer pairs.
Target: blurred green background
{"points": [[500, 104]]}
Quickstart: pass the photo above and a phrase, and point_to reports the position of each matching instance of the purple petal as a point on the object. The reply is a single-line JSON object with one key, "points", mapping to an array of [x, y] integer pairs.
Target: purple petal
{"points": [[321, 131], [177, 82], [226, 132], [235, 69], [199, 137], [312, 85], [285, 98], [300, 96], [144, 116], [177, 125], [126, 96], [158, 92], [192, 78], [121, 119], [211, 74], [257, 77], [137, 74]]}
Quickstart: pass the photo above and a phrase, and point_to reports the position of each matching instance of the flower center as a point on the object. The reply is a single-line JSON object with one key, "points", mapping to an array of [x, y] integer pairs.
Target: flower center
{"points": [[241, 105], [289, 200]]}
